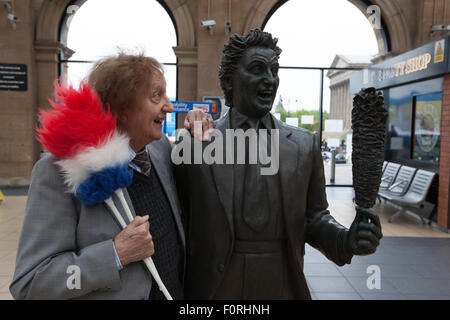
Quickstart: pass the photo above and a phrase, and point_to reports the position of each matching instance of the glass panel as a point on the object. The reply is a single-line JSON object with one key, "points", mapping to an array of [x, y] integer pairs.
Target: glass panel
{"points": [[398, 140], [427, 129], [297, 100], [76, 72], [402, 144], [337, 135]]}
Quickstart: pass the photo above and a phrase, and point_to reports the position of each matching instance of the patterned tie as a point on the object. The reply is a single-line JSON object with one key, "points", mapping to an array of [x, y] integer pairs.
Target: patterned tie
{"points": [[142, 160]]}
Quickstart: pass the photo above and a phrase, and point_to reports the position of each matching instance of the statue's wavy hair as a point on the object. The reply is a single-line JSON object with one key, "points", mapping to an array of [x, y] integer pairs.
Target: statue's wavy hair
{"points": [[234, 50]]}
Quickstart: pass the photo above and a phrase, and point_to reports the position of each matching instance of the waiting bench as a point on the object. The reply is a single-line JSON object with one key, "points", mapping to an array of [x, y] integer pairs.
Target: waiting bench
{"points": [[389, 174], [400, 184], [414, 196]]}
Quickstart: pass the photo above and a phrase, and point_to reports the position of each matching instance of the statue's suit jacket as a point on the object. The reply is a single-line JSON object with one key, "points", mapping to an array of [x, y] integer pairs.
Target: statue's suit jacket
{"points": [[206, 195], [60, 234]]}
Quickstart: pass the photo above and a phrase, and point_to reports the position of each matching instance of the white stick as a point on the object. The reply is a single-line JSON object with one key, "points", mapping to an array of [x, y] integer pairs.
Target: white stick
{"points": [[151, 266], [124, 203], [117, 215], [148, 261]]}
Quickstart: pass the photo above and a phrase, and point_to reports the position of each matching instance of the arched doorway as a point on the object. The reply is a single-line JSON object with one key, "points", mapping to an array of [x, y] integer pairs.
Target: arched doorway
{"points": [[105, 28], [324, 37], [95, 29]]}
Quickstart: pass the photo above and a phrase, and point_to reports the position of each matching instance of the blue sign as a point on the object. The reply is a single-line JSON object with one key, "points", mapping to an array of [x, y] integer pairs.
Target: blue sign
{"points": [[169, 125], [186, 106]]}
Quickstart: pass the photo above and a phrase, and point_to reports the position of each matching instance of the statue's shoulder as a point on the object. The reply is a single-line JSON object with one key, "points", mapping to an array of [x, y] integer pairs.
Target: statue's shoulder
{"points": [[302, 137], [296, 131]]}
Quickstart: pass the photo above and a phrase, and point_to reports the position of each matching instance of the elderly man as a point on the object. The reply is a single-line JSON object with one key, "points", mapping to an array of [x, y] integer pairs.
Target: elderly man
{"points": [[71, 250], [246, 232]]}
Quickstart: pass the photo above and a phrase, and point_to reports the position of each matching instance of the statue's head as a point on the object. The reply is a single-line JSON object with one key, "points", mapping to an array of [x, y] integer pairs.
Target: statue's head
{"points": [[248, 72]]}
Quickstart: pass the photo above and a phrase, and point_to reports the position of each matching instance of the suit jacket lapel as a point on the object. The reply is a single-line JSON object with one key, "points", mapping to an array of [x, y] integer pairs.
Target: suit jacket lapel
{"points": [[287, 171], [167, 182], [223, 175]]}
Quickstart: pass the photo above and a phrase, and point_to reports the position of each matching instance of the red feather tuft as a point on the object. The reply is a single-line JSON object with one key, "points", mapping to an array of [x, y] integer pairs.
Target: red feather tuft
{"points": [[77, 121]]}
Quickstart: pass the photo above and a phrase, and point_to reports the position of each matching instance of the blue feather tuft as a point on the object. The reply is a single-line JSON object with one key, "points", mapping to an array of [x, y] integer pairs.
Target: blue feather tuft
{"points": [[102, 184]]}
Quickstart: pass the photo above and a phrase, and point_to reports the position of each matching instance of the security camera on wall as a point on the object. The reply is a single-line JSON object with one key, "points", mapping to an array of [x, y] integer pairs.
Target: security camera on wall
{"points": [[12, 17], [209, 24]]}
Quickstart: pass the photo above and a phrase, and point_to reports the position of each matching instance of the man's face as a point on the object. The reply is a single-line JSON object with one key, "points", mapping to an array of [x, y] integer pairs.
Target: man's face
{"points": [[255, 82], [144, 122]]}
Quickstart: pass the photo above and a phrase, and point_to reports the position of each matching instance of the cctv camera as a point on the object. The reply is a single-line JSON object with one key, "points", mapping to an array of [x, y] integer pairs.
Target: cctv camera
{"points": [[438, 27], [12, 17], [208, 23]]}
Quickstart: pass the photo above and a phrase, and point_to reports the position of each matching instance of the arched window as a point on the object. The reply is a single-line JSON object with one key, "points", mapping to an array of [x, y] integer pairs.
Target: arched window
{"points": [[323, 40], [94, 29]]}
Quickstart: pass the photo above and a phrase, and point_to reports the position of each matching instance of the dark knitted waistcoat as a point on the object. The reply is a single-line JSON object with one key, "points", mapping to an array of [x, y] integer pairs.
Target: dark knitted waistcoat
{"points": [[148, 197]]}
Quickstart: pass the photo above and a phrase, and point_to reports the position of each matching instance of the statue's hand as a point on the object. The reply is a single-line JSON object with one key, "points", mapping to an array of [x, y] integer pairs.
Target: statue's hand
{"points": [[199, 124], [364, 235]]}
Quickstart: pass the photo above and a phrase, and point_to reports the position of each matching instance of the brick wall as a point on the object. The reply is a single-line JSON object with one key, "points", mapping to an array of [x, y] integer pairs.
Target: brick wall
{"points": [[17, 108], [444, 161]]}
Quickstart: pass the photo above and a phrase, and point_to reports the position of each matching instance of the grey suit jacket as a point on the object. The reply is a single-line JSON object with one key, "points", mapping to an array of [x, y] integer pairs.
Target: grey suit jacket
{"points": [[59, 232], [208, 212]]}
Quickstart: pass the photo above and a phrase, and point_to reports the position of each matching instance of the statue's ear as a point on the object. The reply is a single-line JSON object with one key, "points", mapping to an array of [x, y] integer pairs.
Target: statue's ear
{"points": [[227, 84]]}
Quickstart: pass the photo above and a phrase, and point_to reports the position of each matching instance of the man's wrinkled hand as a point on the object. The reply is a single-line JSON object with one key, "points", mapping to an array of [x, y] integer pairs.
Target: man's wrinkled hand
{"points": [[365, 234], [134, 243], [199, 124]]}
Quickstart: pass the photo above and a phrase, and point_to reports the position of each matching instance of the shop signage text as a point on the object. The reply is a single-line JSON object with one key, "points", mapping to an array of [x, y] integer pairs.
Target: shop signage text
{"points": [[424, 62]]}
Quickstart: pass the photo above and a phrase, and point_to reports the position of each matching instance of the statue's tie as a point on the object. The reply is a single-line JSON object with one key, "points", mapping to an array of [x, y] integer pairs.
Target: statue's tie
{"points": [[256, 208], [142, 160]]}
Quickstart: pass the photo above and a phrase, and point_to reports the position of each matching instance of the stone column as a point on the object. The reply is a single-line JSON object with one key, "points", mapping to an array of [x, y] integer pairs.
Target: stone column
{"points": [[17, 108], [47, 55], [444, 159], [187, 77]]}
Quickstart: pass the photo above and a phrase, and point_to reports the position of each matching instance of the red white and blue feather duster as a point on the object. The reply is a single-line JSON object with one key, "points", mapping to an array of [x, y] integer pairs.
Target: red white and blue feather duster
{"points": [[92, 154]]}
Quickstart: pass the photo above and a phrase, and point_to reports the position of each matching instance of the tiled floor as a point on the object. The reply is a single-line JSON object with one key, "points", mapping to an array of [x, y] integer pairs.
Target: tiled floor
{"points": [[409, 268], [11, 217], [414, 259]]}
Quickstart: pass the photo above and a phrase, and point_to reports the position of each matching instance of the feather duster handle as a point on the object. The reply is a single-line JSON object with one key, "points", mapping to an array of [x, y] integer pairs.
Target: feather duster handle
{"points": [[148, 261], [369, 118]]}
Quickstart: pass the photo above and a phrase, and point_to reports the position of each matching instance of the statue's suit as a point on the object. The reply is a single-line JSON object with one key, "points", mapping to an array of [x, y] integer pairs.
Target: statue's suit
{"points": [[206, 195]]}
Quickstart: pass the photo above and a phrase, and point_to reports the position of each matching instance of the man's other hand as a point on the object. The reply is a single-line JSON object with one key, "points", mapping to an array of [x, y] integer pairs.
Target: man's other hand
{"points": [[201, 132]]}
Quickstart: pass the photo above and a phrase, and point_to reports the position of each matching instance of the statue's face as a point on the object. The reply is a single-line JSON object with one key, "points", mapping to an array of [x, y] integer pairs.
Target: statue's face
{"points": [[255, 82]]}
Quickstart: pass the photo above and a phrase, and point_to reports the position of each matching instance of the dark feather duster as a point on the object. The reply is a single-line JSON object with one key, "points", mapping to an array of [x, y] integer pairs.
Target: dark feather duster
{"points": [[369, 118]]}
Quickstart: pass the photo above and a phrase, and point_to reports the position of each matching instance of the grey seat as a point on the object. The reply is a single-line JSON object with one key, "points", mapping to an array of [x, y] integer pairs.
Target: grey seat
{"points": [[389, 175], [384, 165], [401, 182], [416, 194]]}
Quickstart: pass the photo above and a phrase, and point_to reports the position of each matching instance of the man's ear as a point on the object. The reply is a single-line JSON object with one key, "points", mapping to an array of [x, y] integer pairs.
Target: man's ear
{"points": [[122, 119]]}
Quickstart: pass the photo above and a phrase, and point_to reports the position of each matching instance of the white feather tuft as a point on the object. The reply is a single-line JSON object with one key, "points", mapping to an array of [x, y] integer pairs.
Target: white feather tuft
{"points": [[79, 168]]}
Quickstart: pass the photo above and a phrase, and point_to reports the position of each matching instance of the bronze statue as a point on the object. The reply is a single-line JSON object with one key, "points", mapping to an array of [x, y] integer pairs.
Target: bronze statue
{"points": [[245, 231]]}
